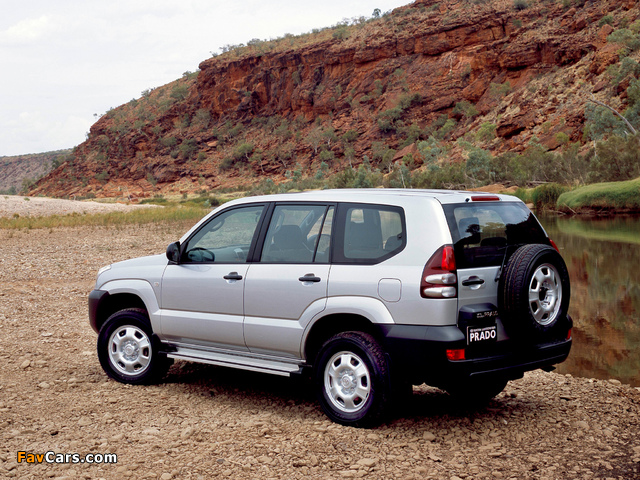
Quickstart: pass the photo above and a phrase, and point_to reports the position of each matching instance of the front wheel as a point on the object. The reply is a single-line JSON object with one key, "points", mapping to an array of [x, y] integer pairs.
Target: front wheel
{"points": [[351, 379], [127, 351]]}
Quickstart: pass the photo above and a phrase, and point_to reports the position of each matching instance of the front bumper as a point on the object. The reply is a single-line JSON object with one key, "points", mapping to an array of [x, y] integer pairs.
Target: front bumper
{"points": [[419, 353], [96, 297]]}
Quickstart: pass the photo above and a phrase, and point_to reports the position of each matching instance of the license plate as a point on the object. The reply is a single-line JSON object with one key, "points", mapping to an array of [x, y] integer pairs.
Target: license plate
{"points": [[486, 334]]}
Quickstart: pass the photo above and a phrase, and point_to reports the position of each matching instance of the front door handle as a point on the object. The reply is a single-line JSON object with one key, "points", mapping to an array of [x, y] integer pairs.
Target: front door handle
{"points": [[310, 277], [471, 281], [233, 276]]}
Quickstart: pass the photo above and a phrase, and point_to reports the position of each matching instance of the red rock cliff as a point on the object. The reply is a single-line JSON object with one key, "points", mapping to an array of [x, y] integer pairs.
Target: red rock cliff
{"points": [[268, 109]]}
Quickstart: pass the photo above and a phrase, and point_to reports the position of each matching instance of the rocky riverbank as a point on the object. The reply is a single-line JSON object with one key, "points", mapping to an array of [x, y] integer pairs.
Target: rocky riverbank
{"points": [[208, 422]]}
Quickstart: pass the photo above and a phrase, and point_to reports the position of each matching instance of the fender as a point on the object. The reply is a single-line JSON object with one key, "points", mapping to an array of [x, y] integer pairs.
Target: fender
{"points": [[369, 308], [142, 289], [373, 309]]}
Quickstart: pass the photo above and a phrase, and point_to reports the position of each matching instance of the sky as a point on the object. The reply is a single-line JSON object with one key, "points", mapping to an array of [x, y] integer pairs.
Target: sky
{"points": [[65, 61]]}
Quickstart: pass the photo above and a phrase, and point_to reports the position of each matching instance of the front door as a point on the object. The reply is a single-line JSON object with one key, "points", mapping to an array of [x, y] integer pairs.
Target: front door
{"points": [[202, 297]]}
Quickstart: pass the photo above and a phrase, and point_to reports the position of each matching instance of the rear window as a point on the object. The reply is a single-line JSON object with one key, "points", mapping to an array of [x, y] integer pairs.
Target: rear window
{"points": [[482, 232]]}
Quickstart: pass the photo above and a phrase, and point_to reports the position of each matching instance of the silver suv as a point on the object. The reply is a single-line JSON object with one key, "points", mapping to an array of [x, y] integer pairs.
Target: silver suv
{"points": [[370, 291]]}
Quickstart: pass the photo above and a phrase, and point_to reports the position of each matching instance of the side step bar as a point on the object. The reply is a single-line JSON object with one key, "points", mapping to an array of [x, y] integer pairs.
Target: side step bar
{"points": [[254, 364]]}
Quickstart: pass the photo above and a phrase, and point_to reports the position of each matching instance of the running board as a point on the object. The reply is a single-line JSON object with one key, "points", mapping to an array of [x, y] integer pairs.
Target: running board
{"points": [[274, 367]]}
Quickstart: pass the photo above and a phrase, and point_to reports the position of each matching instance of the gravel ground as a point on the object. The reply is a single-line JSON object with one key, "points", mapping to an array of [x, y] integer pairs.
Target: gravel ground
{"points": [[210, 422], [11, 205]]}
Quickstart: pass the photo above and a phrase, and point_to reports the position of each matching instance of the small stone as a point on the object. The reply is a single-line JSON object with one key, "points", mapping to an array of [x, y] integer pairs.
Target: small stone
{"points": [[43, 385], [187, 432], [582, 425], [84, 421], [25, 364], [615, 382], [166, 476], [367, 462], [428, 436]]}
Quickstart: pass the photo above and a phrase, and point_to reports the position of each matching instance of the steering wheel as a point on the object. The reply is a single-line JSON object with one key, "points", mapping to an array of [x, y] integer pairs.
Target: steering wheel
{"points": [[200, 254]]}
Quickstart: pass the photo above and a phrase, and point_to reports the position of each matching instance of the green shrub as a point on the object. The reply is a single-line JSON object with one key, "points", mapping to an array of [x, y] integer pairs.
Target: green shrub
{"points": [[486, 132], [625, 37], [520, 4], [606, 20], [465, 109], [499, 90], [546, 196], [179, 93], [188, 148]]}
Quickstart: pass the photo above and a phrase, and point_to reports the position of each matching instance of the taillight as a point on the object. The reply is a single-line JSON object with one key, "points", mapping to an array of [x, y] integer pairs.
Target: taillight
{"points": [[439, 277], [553, 244]]}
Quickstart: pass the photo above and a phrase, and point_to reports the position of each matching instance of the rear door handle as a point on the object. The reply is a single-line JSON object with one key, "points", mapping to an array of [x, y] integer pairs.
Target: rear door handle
{"points": [[310, 277], [233, 276], [471, 281]]}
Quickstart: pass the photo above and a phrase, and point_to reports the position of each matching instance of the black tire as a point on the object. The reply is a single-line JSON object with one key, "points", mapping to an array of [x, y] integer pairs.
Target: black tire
{"points": [[127, 350], [534, 292], [351, 377], [476, 392]]}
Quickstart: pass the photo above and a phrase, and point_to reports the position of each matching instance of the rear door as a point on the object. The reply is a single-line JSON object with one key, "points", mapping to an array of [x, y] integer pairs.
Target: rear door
{"points": [[484, 233], [288, 285]]}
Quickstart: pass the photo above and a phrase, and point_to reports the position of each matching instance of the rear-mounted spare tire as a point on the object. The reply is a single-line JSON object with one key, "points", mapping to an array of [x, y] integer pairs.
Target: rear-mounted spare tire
{"points": [[534, 292]]}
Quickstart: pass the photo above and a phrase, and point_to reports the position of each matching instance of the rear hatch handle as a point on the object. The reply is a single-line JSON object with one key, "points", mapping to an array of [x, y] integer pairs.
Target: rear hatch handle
{"points": [[473, 280]]}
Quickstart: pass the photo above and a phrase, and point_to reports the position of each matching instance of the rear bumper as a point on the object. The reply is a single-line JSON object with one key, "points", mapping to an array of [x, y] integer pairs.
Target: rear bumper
{"points": [[419, 353]]}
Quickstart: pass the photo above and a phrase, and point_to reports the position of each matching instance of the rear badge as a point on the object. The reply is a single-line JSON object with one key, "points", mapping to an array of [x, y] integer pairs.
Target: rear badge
{"points": [[477, 335]]}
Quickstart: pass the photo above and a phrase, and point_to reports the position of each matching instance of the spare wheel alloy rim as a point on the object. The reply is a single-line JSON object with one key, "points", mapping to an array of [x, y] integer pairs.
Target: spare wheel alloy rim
{"points": [[545, 294]]}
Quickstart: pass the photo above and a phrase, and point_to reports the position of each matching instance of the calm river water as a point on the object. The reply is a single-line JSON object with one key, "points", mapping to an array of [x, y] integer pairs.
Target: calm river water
{"points": [[603, 257]]}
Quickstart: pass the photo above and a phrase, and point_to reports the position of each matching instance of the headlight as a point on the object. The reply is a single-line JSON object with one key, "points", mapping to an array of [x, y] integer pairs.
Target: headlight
{"points": [[104, 269]]}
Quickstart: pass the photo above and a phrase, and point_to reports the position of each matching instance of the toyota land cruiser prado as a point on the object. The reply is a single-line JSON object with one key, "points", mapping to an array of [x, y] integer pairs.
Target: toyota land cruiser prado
{"points": [[370, 291]]}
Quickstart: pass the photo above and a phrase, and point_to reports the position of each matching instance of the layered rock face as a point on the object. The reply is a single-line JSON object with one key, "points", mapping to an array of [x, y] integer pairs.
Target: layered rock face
{"points": [[528, 72]]}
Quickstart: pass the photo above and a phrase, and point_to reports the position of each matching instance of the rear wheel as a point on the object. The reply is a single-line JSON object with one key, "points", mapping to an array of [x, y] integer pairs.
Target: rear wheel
{"points": [[351, 379], [127, 350]]}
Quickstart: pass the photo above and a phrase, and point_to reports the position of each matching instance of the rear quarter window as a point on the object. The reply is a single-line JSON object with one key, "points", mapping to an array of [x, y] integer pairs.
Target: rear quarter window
{"points": [[481, 232]]}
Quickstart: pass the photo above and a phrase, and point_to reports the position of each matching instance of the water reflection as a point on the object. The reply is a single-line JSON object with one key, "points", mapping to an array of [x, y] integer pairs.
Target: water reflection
{"points": [[603, 257]]}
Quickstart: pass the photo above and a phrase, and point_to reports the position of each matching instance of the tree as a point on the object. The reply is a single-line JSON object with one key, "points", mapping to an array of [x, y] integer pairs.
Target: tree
{"points": [[618, 114], [315, 138]]}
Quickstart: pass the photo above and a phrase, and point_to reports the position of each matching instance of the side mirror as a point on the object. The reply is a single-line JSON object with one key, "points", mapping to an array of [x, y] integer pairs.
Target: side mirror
{"points": [[173, 252]]}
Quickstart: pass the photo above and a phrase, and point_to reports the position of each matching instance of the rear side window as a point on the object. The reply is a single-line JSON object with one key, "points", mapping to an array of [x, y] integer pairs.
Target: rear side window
{"points": [[368, 234], [298, 234], [482, 232]]}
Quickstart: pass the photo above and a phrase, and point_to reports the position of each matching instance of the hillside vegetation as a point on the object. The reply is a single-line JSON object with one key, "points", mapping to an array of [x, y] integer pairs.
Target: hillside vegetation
{"points": [[19, 173], [454, 94]]}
